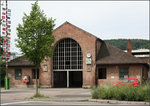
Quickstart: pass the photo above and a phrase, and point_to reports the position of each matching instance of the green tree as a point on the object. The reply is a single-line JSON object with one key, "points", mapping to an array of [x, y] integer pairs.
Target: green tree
{"points": [[35, 37], [0, 21], [2, 67]]}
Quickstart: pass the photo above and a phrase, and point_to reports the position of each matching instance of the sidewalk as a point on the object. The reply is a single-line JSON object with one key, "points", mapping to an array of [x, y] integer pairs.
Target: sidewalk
{"points": [[59, 95]]}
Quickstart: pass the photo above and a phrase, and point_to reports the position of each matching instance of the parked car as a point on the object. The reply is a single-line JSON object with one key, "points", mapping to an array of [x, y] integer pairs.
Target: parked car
{"points": [[128, 81]]}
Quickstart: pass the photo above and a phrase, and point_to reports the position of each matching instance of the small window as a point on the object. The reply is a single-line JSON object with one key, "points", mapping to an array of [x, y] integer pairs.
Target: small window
{"points": [[34, 74], [18, 74], [102, 73], [123, 73]]}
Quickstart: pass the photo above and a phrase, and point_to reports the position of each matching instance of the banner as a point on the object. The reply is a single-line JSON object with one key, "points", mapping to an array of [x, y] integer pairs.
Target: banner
{"points": [[6, 40]]}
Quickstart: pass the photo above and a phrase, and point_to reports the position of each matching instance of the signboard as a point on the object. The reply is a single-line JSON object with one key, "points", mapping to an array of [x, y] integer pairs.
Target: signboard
{"points": [[88, 61], [45, 68]]}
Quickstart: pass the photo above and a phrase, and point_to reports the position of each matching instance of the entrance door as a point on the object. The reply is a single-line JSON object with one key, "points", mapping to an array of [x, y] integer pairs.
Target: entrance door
{"points": [[67, 64], [60, 79], [75, 79]]}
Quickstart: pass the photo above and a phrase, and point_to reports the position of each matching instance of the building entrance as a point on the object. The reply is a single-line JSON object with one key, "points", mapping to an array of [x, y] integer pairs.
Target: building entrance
{"points": [[67, 64]]}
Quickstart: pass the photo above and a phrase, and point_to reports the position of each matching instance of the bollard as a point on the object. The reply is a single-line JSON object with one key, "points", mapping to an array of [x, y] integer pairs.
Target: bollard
{"points": [[6, 83]]}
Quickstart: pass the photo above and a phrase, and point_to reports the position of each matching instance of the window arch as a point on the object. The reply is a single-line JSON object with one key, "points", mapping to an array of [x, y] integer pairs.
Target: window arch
{"points": [[67, 55]]}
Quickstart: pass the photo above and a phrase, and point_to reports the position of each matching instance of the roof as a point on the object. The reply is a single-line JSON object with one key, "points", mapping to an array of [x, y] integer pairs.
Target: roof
{"points": [[109, 54], [20, 61]]}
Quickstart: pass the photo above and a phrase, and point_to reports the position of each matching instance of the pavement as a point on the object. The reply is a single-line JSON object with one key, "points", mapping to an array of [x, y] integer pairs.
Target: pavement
{"points": [[57, 95]]}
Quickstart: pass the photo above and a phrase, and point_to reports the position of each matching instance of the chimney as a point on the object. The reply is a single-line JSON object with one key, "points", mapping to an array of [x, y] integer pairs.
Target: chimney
{"points": [[129, 47]]}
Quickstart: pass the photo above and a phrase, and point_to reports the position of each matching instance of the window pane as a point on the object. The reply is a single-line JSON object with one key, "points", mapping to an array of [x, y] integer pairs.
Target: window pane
{"points": [[67, 55], [123, 73], [125, 81], [102, 73], [18, 74], [131, 80]]}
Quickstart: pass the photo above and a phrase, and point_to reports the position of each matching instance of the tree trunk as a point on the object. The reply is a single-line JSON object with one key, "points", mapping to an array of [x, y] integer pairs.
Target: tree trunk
{"points": [[36, 80]]}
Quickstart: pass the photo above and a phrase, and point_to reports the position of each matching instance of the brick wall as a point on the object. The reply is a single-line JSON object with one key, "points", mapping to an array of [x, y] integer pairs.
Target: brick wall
{"points": [[46, 76], [112, 74], [87, 44], [135, 71], [20, 83]]}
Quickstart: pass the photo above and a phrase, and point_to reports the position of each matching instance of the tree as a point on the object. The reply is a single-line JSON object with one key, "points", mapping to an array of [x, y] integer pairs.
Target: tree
{"points": [[0, 21], [35, 37], [2, 68]]}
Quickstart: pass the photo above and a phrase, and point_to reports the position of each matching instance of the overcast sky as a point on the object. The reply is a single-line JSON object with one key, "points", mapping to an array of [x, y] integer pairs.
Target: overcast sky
{"points": [[106, 20]]}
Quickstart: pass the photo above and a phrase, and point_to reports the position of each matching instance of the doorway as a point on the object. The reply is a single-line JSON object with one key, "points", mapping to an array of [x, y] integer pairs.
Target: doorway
{"points": [[67, 64], [75, 79], [60, 79]]}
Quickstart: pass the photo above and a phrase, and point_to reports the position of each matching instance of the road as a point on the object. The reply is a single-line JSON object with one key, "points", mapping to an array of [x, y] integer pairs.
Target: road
{"points": [[56, 97], [47, 103]]}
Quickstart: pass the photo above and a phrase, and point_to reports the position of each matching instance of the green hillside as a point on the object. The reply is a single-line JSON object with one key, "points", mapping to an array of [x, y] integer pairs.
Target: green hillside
{"points": [[136, 43]]}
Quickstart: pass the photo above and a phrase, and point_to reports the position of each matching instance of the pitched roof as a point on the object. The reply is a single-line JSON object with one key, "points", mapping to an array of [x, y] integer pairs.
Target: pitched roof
{"points": [[109, 54], [20, 61]]}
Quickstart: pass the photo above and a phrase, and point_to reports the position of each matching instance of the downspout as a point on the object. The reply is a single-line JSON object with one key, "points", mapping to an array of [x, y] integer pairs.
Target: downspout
{"points": [[95, 63]]}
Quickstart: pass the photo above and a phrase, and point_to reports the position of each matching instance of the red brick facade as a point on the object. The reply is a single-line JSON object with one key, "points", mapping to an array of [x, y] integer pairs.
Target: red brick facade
{"points": [[135, 71], [88, 44]]}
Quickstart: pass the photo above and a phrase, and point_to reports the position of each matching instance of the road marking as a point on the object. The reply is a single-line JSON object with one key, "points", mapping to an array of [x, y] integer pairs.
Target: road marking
{"points": [[16, 103]]}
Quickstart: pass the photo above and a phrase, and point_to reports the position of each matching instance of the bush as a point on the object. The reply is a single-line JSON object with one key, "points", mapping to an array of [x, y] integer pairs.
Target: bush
{"points": [[127, 93]]}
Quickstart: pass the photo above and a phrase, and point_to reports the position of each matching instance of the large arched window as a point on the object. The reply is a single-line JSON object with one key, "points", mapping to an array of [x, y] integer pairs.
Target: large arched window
{"points": [[67, 55]]}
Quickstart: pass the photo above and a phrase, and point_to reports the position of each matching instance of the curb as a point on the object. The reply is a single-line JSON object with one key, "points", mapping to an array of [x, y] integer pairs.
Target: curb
{"points": [[58, 100], [118, 102], [90, 100]]}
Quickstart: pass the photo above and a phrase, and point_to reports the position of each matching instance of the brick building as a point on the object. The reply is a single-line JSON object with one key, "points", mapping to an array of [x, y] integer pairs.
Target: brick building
{"points": [[80, 60]]}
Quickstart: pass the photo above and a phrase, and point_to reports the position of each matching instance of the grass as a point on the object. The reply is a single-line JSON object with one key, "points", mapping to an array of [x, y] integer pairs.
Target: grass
{"points": [[127, 93], [38, 96]]}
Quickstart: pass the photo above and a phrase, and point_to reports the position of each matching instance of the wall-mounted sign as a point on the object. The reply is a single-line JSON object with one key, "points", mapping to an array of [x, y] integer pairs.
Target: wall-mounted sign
{"points": [[88, 61], [45, 67], [89, 68], [88, 54]]}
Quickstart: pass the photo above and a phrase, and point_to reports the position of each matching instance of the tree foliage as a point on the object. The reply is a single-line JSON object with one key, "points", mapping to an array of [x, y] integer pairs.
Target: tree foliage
{"points": [[0, 21], [35, 35], [136, 43], [2, 68]]}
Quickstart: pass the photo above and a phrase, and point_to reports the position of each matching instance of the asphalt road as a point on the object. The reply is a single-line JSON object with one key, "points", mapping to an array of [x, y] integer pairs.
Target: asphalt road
{"points": [[47, 103], [56, 97]]}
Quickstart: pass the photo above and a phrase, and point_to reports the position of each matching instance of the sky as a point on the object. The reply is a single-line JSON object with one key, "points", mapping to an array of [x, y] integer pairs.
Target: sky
{"points": [[104, 19]]}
